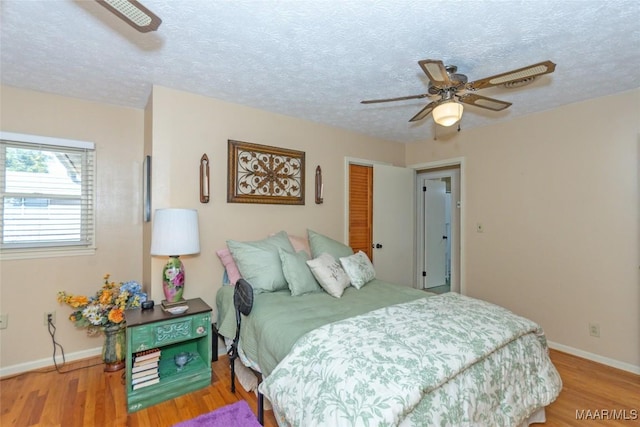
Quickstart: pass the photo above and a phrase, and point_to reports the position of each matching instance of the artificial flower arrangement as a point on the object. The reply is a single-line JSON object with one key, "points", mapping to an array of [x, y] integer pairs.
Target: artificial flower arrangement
{"points": [[106, 307]]}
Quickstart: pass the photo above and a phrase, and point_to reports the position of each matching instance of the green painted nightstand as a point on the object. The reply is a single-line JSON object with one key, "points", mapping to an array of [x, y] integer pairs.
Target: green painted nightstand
{"points": [[188, 332]]}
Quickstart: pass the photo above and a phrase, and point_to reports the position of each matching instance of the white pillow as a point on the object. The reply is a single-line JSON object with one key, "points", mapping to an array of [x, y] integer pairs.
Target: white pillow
{"points": [[329, 274], [358, 268]]}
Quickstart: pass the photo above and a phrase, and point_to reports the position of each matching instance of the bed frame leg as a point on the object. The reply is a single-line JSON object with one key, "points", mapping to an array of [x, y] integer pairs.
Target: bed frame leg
{"points": [[233, 375], [260, 408]]}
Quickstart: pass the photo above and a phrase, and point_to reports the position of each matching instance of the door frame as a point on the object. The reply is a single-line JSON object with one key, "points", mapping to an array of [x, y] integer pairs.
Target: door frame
{"points": [[457, 162], [454, 217]]}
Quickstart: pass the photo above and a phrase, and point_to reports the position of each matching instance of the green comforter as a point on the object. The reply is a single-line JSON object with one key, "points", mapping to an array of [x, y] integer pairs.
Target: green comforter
{"points": [[278, 320], [449, 360]]}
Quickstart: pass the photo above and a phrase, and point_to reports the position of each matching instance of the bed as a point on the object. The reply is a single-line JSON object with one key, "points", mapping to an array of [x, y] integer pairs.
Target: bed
{"points": [[385, 354]]}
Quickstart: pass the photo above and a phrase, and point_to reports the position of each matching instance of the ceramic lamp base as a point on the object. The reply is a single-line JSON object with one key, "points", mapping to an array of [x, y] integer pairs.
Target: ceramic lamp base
{"points": [[173, 280]]}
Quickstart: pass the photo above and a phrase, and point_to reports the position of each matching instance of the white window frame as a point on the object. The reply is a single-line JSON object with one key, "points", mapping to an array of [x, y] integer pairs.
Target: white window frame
{"points": [[48, 250]]}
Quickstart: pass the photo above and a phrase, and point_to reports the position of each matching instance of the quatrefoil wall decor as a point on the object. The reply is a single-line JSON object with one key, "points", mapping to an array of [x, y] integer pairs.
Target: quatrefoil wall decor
{"points": [[264, 174]]}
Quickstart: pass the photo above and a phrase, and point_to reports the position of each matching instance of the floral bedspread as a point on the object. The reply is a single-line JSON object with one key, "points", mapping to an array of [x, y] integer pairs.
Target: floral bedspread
{"points": [[443, 360]]}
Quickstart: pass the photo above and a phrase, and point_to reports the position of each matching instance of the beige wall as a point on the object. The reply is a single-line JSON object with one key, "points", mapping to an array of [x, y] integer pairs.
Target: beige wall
{"points": [[185, 126], [176, 128], [557, 193], [28, 288]]}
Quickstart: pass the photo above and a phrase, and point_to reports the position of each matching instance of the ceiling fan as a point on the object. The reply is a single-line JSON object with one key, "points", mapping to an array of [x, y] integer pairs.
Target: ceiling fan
{"points": [[453, 89]]}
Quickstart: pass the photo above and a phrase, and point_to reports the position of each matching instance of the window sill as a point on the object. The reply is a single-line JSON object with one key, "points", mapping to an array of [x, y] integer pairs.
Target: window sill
{"points": [[17, 254]]}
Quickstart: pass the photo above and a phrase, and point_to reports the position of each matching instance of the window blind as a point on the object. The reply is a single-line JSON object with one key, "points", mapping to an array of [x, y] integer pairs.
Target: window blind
{"points": [[47, 190]]}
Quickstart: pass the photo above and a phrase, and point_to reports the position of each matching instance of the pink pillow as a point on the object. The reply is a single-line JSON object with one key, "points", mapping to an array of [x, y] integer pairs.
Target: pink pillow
{"points": [[300, 244], [229, 264]]}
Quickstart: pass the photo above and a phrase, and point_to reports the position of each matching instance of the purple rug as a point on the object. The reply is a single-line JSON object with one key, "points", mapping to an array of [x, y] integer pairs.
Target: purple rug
{"points": [[237, 414]]}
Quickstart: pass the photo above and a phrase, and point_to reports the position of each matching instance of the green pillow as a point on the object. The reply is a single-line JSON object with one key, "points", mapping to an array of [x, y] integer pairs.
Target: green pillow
{"points": [[259, 261], [297, 273], [320, 244]]}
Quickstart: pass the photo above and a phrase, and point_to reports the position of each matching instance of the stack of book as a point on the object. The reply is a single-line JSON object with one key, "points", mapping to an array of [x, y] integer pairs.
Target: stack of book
{"points": [[145, 368]]}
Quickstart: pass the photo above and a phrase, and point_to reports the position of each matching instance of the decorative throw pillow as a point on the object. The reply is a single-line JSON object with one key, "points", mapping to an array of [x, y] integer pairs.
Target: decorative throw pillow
{"points": [[297, 272], [300, 243], [229, 265], [320, 244], [359, 269], [259, 261], [329, 274]]}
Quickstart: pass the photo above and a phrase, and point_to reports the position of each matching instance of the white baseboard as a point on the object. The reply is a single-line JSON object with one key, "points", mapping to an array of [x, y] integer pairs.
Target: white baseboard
{"points": [[43, 363], [595, 357]]}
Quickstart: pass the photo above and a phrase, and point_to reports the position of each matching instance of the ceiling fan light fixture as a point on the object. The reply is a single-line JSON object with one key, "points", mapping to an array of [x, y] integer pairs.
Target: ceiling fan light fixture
{"points": [[133, 13], [448, 113]]}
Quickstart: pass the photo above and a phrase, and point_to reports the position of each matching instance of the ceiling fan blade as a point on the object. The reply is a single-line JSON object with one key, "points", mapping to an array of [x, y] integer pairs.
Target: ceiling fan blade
{"points": [[402, 98], [436, 71], [133, 13], [534, 70], [483, 102], [425, 111]]}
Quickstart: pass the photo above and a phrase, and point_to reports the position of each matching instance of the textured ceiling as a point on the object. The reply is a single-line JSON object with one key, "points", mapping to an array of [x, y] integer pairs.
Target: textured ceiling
{"points": [[317, 59]]}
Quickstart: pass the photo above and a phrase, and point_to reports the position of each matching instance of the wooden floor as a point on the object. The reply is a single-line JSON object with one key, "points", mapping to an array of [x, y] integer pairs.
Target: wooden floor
{"points": [[90, 397]]}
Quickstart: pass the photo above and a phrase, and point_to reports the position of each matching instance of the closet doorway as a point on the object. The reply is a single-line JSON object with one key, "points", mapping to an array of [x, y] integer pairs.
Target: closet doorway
{"points": [[381, 218], [361, 208]]}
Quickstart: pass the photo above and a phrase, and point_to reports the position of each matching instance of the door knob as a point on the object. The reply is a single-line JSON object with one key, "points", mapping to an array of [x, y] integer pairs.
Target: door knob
{"points": [[445, 237], [378, 246]]}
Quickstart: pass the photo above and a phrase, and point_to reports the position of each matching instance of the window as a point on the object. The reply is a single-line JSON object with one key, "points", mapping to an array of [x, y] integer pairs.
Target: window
{"points": [[47, 190]]}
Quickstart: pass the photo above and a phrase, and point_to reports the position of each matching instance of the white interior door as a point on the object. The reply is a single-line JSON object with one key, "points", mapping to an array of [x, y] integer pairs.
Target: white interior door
{"points": [[393, 224], [436, 235]]}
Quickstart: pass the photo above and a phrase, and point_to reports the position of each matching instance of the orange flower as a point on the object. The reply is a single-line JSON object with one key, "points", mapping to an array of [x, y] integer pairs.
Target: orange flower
{"points": [[77, 301], [116, 315], [105, 297]]}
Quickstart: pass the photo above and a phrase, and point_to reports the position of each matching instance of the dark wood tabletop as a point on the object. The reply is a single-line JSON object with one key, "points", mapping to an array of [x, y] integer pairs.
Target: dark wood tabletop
{"points": [[137, 316]]}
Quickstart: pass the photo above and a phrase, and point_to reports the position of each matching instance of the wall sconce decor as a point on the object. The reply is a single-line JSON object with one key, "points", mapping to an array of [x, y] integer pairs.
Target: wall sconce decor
{"points": [[319, 186], [204, 179]]}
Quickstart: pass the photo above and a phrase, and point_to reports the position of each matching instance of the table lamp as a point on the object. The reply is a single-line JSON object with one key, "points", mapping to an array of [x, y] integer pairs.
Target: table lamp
{"points": [[175, 233]]}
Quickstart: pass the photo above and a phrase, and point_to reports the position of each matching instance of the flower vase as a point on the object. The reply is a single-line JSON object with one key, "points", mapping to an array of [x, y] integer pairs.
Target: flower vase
{"points": [[173, 279], [114, 348]]}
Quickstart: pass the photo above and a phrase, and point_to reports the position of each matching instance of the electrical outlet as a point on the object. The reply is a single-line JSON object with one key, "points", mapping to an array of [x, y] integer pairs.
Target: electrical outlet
{"points": [[46, 317], [4, 321], [594, 330]]}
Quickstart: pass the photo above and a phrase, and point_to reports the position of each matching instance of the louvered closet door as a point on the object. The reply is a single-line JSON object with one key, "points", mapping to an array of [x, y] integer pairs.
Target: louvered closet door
{"points": [[361, 208]]}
